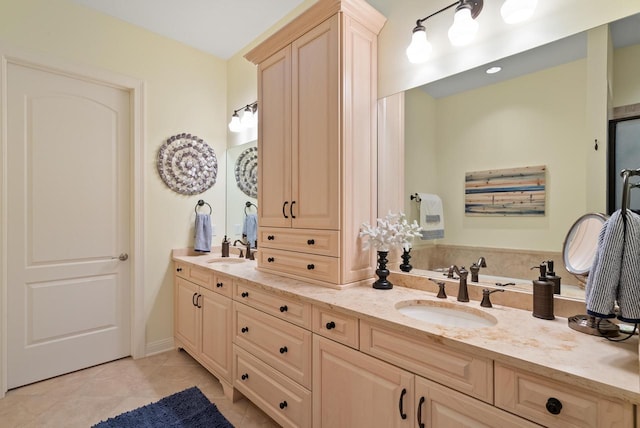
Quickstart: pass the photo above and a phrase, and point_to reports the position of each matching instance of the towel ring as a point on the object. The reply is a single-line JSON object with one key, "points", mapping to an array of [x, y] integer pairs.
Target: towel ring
{"points": [[201, 203], [249, 204]]}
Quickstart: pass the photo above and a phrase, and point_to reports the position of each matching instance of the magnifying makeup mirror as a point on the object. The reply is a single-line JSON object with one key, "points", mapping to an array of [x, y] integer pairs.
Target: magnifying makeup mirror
{"points": [[578, 252]]}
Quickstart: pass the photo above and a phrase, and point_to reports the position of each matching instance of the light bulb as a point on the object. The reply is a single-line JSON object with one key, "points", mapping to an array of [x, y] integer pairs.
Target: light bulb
{"points": [[420, 48], [514, 11], [235, 125], [247, 118], [464, 27]]}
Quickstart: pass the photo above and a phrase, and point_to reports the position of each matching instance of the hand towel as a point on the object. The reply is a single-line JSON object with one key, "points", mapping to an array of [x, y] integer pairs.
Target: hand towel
{"points": [[615, 273], [202, 241], [431, 216], [250, 229]]}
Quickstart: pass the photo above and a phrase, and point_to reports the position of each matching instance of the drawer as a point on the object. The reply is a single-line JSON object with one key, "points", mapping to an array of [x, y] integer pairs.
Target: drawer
{"points": [[336, 325], [321, 242], [282, 345], [319, 268], [286, 402], [425, 356], [223, 285], [537, 398], [277, 305], [194, 274]]}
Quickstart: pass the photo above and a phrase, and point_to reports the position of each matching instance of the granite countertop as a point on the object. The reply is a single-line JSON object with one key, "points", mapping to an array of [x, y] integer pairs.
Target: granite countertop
{"points": [[545, 347]]}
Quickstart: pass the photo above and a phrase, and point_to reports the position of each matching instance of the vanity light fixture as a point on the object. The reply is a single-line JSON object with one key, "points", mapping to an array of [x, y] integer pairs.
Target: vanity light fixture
{"points": [[464, 27], [249, 118]]}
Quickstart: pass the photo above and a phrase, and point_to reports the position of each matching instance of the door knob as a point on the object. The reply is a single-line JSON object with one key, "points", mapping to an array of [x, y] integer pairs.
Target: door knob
{"points": [[122, 257]]}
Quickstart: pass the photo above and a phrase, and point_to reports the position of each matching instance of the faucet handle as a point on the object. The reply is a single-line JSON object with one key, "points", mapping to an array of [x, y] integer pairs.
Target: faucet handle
{"points": [[441, 293], [486, 301]]}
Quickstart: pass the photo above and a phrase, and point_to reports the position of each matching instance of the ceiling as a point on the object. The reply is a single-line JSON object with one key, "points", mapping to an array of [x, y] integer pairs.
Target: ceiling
{"points": [[219, 27]]}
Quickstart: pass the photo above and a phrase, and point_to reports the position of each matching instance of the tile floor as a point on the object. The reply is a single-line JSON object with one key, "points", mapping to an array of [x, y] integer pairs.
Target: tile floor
{"points": [[85, 397]]}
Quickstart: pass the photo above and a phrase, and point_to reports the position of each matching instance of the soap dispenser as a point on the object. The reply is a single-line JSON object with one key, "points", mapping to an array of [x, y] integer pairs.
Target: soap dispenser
{"points": [[225, 247], [543, 294], [551, 276]]}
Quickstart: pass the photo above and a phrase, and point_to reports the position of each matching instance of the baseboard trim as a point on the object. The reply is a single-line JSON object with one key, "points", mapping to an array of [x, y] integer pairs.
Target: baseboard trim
{"points": [[159, 347]]}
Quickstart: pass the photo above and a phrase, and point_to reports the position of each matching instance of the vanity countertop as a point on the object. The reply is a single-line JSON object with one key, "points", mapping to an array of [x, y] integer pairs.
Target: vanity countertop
{"points": [[545, 347]]}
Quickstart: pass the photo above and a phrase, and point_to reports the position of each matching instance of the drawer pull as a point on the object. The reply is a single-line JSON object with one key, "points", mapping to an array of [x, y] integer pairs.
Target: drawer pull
{"points": [[554, 406], [420, 423], [219, 284], [245, 294], [193, 299], [283, 405], [271, 237], [284, 308], [270, 259], [331, 325], [403, 415], [311, 266], [311, 241], [284, 205], [179, 270], [245, 329], [283, 350], [245, 376], [291, 210]]}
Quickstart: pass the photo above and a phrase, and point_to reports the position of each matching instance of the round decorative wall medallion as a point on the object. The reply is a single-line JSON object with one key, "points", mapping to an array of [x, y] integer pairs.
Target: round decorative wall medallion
{"points": [[247, 172], [187, 164]]}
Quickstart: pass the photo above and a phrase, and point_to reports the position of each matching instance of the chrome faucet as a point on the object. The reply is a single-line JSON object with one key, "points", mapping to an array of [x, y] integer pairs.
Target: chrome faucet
{"points": [[475, 268], [463, 293]]}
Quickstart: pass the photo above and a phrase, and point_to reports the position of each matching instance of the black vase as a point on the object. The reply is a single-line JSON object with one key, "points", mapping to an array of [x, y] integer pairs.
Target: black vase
{"points": [[382, 283], [405, 266]]}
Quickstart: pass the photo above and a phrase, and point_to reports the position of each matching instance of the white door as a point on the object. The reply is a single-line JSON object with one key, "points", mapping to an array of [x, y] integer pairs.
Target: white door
{"points": [[68, 169]]}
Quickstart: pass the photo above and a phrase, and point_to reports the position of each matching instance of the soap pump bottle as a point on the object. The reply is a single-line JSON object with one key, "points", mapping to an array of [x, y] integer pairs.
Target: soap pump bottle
{"points": [[551, 276], [225, 247], [543, 294]]}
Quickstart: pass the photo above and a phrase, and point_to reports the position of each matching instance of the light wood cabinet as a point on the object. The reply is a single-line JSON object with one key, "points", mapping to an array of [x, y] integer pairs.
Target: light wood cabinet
{"points": [[336, 326], [554, 404], [203, 320], [351, 389], [317, 147]]}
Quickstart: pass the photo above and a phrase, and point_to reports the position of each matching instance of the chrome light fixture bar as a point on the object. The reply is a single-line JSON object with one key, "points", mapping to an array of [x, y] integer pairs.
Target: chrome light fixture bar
{"points": [[249, 118], [464, 27]]}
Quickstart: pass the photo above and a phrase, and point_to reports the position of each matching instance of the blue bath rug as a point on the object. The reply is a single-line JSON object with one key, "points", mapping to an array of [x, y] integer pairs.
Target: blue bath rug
{"points": [[185, 409]]}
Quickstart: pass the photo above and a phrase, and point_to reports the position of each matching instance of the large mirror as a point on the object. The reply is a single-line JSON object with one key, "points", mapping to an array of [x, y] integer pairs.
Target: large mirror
{"points": [[532, 113], [242, 188]]}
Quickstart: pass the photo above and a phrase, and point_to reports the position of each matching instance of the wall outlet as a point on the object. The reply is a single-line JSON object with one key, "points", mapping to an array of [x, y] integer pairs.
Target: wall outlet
{"points": [[237, 229], [213, 230]]}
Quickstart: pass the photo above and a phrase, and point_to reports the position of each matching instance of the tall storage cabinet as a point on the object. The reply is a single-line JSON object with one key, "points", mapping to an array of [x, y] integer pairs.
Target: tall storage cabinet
{"points": [[317, 157]]}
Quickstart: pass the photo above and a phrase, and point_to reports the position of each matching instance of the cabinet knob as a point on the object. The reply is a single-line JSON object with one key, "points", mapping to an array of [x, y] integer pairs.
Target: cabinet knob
{"points": [[270, 259], [284, 308], [245, 376], [271, 237], [554, 406], [311, 266], [245, 294], [283, 350], [219, 284], [179, 270], [283, 405], [245, 329], [330, 325], [311, 241]]}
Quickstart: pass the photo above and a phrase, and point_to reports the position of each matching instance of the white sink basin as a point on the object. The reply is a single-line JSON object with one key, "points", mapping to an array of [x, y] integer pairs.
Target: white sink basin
{"points": [[446, 314], [227, 260]]}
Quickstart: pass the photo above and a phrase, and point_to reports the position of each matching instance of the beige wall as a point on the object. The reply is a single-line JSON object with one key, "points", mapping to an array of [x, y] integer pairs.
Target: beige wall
{"points": [[536, 119], [185, 92], [626, 76]]}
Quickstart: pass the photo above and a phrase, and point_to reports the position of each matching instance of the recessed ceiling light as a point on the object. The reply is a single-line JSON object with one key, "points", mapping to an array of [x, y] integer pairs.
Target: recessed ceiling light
{"points": [[493, 70]]}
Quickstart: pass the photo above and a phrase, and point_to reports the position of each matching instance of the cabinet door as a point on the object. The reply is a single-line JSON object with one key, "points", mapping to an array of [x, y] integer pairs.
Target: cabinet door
{"points": [[441, 407], [315, 130], [186, 314], [216, 315], [274, 143], [354, 390]]}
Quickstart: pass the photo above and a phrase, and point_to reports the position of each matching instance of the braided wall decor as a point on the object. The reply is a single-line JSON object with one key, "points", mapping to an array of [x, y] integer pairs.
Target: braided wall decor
{"points": [[247, 172], [187, 164]]}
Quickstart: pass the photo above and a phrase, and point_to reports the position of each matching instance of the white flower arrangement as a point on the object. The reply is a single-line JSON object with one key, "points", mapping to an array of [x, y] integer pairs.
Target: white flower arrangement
{"points": [[392, 231]]}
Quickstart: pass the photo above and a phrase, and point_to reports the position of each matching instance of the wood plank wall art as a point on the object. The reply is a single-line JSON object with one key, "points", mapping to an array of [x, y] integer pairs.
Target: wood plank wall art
{"points": [[506, 192]]}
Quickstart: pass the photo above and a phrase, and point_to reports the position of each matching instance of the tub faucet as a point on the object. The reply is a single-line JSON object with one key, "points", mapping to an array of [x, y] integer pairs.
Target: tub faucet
{"points": [[463, 293], [475, 268]]}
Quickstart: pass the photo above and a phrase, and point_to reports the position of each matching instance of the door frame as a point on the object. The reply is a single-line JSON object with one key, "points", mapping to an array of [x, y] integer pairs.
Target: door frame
{"points": [[136, 89]]}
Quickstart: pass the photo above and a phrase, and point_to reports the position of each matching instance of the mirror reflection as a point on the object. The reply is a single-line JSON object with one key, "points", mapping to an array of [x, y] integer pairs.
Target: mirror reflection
{"points": [[534, 115], [242, 191]]}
